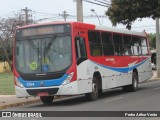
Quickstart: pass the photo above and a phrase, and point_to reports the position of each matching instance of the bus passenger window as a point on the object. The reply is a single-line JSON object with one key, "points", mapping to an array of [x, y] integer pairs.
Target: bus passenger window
{"points": [[95, 43], [128, 45], [107, 43], [144, 46], [136, 45], [118, 44]]}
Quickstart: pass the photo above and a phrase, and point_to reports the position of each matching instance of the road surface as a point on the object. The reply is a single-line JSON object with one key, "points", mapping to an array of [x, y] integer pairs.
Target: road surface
{"points": [[147, 98]]}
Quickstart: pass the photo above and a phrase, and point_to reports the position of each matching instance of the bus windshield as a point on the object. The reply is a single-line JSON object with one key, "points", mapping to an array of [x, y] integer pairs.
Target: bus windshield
{"points": [[43, 53]]}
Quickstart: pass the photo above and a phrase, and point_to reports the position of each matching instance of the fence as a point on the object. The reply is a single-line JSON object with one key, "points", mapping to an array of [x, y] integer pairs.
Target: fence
{"points": [[4, 67]]}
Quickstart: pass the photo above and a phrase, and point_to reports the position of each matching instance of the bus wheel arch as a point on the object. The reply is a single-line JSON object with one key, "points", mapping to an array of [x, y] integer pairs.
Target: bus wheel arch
{"points": [[96, 87]]}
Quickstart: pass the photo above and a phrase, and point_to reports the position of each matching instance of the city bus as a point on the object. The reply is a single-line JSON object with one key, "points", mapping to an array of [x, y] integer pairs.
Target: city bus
{"points": [[73, 58]]}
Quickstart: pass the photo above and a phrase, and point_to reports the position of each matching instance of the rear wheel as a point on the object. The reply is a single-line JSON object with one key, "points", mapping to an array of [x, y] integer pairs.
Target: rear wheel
{"points": [[95, 90], [47, 99], [134, 86]]}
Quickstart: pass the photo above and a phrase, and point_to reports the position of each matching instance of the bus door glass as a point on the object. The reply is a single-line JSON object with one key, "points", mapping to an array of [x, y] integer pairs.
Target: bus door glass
{"points": [[80, 46]]}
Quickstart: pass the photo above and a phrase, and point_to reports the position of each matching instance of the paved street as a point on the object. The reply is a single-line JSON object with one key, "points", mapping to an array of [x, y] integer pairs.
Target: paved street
{"points": [[145, 99]]}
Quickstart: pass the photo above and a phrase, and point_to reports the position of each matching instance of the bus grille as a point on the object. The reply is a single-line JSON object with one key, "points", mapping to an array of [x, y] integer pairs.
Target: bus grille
{"points": [[50, 91]]}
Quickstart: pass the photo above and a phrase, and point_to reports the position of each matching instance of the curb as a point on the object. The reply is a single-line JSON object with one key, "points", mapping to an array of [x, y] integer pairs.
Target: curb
{"points": [[19, 104], [11, 105], [151, 80]]}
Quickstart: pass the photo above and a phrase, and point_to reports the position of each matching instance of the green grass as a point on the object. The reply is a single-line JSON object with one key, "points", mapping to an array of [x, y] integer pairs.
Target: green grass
{"points": [[7, 84]]}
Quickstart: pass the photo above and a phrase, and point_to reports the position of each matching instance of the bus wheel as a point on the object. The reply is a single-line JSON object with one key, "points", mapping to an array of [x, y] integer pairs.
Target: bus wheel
{"points": [[47, 99], [95, 91], [134, 86]]}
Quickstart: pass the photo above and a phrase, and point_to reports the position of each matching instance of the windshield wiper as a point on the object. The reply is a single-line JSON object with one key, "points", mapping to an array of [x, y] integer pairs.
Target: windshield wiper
{"points": [[47, 48], [34, 47]]}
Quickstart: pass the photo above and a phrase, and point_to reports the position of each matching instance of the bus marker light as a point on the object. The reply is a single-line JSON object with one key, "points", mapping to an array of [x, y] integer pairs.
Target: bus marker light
{"points": [[68, 79], [18, 83]]}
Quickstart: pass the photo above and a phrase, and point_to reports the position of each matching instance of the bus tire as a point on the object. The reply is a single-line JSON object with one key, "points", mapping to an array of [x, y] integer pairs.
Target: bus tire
{"points": [[47, 99], [134, 86], [95, 90]]}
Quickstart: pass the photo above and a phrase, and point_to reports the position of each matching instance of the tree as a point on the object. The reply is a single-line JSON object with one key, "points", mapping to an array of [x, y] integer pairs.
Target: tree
{"points": [[127, 11], [7, 28], [152, 39]]}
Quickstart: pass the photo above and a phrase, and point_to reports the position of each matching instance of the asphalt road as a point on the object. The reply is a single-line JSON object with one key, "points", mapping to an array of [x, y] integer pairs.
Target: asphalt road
{"points": [[147, 98]]}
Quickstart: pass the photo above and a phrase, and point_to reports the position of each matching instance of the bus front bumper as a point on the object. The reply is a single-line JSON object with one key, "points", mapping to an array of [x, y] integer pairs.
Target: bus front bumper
{"points": [[68, 89]]}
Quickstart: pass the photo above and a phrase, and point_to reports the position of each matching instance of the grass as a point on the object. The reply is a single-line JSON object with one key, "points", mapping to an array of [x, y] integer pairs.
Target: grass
{"points": [[6, 84]]}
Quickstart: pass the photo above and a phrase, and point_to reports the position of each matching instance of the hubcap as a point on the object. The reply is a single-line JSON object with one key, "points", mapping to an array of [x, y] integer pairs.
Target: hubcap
{"points": [[94, 88], [135, 83]]}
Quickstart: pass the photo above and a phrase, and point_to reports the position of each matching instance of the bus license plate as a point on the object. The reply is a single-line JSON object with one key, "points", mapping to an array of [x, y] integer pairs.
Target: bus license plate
{"points": [[43, 94]]}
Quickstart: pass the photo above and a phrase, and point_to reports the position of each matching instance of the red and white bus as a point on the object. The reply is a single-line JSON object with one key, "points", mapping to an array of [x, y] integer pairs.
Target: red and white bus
{"points": [[74, 58]]}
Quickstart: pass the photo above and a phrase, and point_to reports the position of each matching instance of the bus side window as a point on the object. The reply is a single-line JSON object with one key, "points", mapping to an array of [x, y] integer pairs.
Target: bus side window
{"points": [[118, 44], [95, 43], [136, 45], [128, 45], [80, 46], [144, 46], [107, 44]]}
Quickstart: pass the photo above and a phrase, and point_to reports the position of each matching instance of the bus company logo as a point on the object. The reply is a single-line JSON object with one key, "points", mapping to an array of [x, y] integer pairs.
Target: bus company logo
{"points": [[6, 114], [110, 59]]}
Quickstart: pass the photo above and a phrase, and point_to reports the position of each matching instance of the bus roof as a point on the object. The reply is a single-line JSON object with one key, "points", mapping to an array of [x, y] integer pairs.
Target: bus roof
{"points": [[91, 27], [123, 31], [109, 29]]}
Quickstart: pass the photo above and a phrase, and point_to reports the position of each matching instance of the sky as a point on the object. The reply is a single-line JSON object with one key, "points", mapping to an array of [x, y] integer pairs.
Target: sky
{"points": [[52, 8]]}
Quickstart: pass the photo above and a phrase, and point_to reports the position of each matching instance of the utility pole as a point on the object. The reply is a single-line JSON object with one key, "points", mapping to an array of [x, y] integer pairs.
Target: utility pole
{"points": [[26, 11], [64, 15], [79, 11], [158, 47]]}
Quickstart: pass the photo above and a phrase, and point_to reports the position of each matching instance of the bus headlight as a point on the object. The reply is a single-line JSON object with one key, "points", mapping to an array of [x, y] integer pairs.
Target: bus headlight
{"points": [[17, 82], [68, 79]]}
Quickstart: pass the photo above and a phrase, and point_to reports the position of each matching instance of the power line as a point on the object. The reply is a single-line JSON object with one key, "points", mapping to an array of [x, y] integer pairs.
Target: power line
{"points": [[95, 3], [100, 2], [144, 26], [44, 13], [47, 18]]}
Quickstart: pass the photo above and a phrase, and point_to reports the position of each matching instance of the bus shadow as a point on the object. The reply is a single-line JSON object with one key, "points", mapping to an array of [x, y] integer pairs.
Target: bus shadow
{"points": [[81, 99]]}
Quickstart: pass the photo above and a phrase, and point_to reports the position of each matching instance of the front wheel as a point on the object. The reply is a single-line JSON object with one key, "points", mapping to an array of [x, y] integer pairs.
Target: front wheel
{"points": [[47, 99], [95, 90]]}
